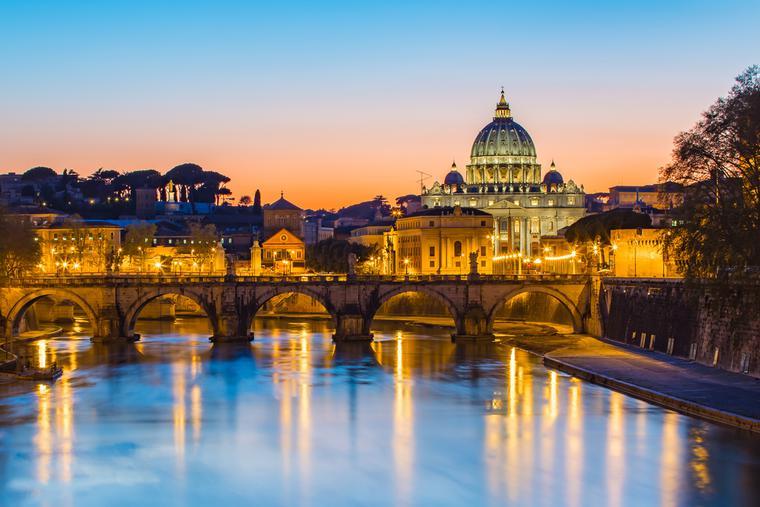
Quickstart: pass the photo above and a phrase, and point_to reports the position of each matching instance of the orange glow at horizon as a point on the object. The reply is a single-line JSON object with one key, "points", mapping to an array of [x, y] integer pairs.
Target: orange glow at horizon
{"points": [[337, 160]]}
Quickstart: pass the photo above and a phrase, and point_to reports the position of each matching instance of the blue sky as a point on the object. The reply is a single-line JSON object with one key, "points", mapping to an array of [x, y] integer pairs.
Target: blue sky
{"points": [[362, 95]]}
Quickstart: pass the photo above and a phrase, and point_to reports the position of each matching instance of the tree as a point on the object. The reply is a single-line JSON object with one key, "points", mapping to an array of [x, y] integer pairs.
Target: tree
{"points": [[38, 173], [245, 200], [718, 161], [137, 239], [331, 255], [257, 202], [597, 227], [202, 246], [21, 255]]}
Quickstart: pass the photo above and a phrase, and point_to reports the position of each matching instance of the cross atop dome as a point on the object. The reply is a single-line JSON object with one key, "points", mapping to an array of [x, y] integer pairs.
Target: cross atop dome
{"points": [[502, 108]]}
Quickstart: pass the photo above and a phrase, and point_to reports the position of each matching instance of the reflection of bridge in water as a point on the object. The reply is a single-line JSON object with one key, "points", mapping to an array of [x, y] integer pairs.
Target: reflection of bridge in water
{"points": [[113, 303]]}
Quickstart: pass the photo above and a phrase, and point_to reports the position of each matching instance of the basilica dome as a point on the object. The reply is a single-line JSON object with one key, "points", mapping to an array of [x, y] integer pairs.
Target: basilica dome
{"points": [[503, 137], [503, 151]]}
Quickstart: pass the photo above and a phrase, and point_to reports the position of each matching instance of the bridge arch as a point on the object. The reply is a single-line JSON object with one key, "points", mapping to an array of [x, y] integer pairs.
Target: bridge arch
{"points": [[263, 298], [413, 289], [18, 310], [567, 303], [133, 312]]}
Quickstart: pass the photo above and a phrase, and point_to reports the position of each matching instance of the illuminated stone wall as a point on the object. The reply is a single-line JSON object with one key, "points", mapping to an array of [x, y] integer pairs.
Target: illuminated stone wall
{"points": [[716, 326]]}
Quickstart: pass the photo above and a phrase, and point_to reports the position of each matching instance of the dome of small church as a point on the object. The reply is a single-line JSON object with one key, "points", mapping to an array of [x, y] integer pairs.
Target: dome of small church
{"points": [[454, 177], [553, 177]]}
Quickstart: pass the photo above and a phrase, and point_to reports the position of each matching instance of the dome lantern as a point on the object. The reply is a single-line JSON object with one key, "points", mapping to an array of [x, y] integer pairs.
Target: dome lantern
{"points": [[502, 108]]}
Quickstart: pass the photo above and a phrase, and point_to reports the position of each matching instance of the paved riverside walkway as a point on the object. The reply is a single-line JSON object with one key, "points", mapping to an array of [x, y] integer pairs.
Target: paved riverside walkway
{"points": [[678, 384]]}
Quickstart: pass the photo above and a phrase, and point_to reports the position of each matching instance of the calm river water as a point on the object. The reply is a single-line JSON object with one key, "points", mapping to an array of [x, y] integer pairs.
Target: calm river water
{"points": [[292, 419]]}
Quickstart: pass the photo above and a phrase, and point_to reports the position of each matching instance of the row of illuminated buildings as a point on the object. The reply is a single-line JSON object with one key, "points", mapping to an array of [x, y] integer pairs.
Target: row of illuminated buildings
{"points": [[512, 218], [501, 215]]}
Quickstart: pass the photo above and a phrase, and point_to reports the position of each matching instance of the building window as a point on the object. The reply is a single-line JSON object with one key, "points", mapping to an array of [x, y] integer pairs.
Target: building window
{"points": [[535, 225], [432, 251], [571, 200], [534, 201], [550, 202], [431, 223], [432, 264], [483, 251], [482, 264], [482, 223], [473, 203], [457, 249]]}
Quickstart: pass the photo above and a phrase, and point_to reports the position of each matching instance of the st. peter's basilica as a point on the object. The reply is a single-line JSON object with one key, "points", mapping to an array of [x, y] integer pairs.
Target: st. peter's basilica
{"points": [[504, 179]]}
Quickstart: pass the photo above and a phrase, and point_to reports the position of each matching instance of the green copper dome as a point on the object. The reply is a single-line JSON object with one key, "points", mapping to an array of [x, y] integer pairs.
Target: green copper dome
{"points": [[503, 151]]}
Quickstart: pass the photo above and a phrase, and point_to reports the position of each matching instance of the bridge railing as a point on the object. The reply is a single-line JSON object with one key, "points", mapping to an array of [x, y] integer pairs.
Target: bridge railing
{"points": [[174, 279]]}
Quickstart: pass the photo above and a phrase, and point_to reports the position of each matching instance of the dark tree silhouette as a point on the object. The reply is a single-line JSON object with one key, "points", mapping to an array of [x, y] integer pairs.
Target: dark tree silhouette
{"points": [[22, 253], [38, 173], [718, 161]]}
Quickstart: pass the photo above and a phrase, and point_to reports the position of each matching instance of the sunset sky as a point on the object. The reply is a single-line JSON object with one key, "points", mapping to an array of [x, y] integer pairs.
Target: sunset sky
{"points": [[334, 103]]}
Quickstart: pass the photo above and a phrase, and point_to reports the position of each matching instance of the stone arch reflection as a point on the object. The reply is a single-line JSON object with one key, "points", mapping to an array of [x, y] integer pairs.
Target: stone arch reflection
{"points": [[291, 311], [411, 305], [158, 312], [536, 304], [50, 306]]}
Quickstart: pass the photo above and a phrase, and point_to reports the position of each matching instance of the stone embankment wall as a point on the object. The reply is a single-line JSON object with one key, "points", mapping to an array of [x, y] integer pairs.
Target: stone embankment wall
{"points": [[716, 325]]}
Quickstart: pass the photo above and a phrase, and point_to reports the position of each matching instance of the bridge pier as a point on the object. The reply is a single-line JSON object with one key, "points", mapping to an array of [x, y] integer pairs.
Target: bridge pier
{"points": [[108, 328], [351, 328], [231, 328], [473, 326]]}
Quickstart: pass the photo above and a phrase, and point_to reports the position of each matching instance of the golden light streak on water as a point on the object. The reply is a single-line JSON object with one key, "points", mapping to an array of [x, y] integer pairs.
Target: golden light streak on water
{"points": [[42, 353], [615, 454], [548, 439], [670, 461], [195, 365], [641, 427], [72, 350], [512, 428], [403, 429], [304, 414], [553, 396], [492, 455], [64, 427], [512, 383], [43, 438], [179, 389], [699, 461], [574, 445], [196, 412]]}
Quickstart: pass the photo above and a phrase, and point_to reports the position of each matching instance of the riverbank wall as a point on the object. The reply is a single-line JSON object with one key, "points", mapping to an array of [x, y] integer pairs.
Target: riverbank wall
{"points": [[713, 324]]}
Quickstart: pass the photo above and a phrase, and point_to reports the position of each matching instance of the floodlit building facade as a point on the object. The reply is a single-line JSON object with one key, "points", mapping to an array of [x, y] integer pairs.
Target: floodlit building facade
{"points": [[439, 241], [505, 180]]}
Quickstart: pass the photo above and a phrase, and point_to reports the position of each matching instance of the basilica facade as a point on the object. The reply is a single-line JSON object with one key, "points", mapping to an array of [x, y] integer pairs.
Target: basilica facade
{"points": [[505, 180]]}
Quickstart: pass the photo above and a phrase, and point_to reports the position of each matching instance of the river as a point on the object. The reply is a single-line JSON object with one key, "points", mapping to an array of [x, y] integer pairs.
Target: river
{"points": [[291, 419]]}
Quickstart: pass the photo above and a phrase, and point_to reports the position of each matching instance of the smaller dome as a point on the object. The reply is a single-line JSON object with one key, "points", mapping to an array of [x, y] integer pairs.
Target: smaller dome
{"points": [[553, 177], [454, 177]]}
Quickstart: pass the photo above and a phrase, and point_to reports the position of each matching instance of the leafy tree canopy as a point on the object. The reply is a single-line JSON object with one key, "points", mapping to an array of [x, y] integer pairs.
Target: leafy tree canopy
{"points": [[718, 160], [331, 255], [38, 173], [598, 227], [23, 253]]}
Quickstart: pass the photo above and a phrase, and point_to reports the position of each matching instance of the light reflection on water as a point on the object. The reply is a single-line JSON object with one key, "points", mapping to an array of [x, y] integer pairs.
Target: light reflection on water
{"points": [[292, 419]]}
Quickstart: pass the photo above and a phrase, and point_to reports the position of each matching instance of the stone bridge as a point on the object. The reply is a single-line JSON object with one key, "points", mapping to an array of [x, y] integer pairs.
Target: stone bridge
{"points": [[113, 303]]}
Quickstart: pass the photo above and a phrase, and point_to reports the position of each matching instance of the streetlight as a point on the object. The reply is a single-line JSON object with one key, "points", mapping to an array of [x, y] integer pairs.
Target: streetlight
{"points": [[406, 267]]}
